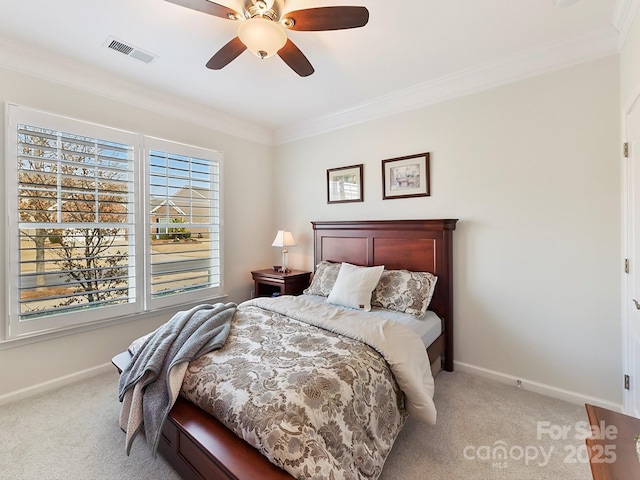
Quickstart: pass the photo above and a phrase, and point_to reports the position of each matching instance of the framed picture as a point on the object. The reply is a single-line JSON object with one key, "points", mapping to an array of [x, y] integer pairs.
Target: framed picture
{"points": [[345, 184], [405, 177]]}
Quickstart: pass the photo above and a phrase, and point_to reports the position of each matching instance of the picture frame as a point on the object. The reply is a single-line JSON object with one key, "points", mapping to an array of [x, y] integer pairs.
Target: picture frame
{"points": [[406, 177], [345, 184]]}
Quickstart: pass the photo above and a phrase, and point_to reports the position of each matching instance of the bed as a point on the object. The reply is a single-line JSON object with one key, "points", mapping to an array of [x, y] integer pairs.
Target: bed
{"points": [[200, 447]]}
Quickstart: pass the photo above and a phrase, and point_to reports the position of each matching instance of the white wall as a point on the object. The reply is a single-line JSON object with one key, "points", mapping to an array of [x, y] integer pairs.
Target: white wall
{"points": [[630, 66], [532, 172], [246, 170]]}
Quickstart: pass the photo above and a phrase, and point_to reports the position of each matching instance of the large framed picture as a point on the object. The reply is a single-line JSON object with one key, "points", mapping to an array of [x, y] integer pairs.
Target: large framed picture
{"points": [[405, 177], [344, 184]]}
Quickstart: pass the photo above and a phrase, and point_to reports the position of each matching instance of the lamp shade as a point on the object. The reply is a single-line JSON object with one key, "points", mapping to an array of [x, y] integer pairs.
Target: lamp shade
{"points": [[283, 239], [263, 37]]}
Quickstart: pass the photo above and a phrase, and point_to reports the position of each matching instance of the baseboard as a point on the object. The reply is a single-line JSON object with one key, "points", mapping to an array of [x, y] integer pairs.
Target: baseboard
{"points": [[55, 383], [530, 385]]}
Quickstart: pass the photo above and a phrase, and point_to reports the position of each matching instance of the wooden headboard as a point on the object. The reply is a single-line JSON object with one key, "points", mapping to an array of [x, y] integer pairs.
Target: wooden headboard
{"points": [[417, 245]]}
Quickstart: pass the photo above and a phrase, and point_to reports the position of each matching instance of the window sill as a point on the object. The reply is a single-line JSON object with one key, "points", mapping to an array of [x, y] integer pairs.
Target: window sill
{"points": [[75, 330]]}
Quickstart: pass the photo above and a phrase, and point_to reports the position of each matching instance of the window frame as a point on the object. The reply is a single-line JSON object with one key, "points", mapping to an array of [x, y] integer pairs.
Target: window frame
{"points": [[142, 303], [154, 143]]}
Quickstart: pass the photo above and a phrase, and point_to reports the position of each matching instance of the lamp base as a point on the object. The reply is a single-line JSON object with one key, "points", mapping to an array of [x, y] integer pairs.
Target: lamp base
{"points": [[283, 268]]}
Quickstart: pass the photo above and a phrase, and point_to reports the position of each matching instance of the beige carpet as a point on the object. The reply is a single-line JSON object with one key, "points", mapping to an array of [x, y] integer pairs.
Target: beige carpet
{"points": [[475, 418], [72, 433]]}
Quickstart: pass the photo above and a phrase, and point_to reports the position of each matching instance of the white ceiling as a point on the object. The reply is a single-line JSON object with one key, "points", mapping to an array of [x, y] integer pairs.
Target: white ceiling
{"points": [[411, 52]]}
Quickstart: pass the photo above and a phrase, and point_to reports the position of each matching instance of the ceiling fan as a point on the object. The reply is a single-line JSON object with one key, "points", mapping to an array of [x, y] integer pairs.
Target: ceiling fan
{"points": [[262, 29]]}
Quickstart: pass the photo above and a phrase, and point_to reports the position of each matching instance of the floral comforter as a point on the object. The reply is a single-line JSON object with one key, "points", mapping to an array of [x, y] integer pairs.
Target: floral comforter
{"points": [[320, 404]]}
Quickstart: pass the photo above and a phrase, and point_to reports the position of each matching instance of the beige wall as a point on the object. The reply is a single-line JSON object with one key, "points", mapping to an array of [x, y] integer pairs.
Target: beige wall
{"points": [[532, 172], [246, 199], [630, 66]]}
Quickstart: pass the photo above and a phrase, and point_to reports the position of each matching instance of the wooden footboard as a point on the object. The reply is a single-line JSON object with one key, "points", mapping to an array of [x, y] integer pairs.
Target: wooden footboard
{"points": [[199, 447]]}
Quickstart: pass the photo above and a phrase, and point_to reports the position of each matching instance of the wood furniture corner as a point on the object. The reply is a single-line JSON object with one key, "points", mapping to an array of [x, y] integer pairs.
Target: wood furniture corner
{"points": [[611, 447], [269, 281]]}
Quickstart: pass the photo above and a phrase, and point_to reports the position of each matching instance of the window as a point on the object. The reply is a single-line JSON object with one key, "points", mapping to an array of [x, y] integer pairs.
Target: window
{"points": [[184, 202], [105, 223]]}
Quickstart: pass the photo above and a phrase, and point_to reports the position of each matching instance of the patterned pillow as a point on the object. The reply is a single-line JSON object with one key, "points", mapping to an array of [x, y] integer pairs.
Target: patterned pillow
{"points": [[323, 279], [404, 291]]}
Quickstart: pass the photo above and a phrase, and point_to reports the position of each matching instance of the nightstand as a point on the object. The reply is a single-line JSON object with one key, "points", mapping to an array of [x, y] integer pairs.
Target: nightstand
{"points": [[268, 282]]}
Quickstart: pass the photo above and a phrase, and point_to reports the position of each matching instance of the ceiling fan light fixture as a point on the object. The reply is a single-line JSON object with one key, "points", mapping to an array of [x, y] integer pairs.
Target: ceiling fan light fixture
{"points": [[261, 36]]}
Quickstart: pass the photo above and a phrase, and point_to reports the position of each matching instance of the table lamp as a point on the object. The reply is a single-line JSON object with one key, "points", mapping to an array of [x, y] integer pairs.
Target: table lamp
{"points": [[284, 239]]}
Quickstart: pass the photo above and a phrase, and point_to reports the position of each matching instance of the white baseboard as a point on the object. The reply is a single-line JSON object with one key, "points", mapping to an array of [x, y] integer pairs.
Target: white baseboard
{"points": [[55, 383], [548, 390], [530, 385]]}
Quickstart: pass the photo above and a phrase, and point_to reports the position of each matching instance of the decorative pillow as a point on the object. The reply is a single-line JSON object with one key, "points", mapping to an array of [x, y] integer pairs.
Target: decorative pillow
{"points": [[354, 285], [323, 279], [404, 291]]}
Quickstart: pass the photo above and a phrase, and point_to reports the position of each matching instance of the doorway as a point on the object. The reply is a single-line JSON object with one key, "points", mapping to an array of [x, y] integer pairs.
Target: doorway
{"points": [[631, 289]]}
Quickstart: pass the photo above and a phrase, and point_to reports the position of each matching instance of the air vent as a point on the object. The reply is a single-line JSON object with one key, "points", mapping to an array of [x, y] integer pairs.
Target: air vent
{"points": [[129, 50]]}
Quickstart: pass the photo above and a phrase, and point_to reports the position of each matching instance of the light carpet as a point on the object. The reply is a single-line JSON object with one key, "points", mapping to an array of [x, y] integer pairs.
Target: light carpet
{"points": [[485, 430]]}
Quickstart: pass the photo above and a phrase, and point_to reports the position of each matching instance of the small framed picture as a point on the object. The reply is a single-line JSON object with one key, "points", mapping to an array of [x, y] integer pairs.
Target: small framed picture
{"points": [[405, 177], [344, 184]]}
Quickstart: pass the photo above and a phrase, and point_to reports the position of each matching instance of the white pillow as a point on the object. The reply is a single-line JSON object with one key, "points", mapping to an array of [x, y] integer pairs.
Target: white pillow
{"points": [[354, 285]]}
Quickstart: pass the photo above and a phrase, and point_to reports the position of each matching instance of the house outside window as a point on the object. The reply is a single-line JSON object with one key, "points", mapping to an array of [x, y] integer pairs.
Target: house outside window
{"points": [[85, 203], [184, 220]]}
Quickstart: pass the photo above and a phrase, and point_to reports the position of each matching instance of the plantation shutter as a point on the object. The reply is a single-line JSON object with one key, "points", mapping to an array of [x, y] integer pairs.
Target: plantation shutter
{"points": [[184, 206], [76, 224], [104, 224]]}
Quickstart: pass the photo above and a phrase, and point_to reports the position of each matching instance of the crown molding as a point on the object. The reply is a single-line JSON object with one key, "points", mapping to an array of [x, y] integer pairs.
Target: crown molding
{"points": [[23, 59], [623, 14], [528, 64], [18, 57]]}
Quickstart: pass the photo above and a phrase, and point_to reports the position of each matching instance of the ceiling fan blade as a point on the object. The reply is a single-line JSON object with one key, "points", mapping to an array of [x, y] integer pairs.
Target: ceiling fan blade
{"points": [[292, 56], [211, 8], [226, 54], [327, 18]]}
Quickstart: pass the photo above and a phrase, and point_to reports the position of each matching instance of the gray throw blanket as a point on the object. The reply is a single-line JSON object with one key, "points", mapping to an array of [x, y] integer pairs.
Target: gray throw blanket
{"points": [[150, 384]]}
